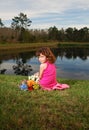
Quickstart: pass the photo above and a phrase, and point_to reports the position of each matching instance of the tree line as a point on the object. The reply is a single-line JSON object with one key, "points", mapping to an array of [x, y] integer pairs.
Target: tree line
{"points": [[20, 32]]}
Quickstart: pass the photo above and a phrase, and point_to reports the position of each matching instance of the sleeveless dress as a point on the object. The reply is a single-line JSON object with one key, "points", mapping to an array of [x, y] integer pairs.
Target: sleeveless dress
{"points": [[48, 80]]}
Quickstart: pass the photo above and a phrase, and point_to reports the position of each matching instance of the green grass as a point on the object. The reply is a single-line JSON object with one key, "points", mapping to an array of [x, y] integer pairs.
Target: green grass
{"points": [[34, 46], [26, 46], [43, 110]]}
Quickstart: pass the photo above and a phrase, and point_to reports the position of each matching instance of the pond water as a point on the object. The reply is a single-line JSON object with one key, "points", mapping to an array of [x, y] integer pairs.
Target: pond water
{"points": [[71, 63]]}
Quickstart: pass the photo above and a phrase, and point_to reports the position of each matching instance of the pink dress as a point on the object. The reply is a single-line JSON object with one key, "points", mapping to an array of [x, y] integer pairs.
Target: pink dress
{"points": [[48, 80]]}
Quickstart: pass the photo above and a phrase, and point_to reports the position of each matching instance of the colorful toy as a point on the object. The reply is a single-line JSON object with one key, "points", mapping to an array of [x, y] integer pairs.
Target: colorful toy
{"points": [[23, 86]]}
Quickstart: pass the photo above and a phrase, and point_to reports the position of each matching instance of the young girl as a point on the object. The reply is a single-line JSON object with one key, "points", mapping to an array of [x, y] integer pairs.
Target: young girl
{"points": [[47, 72]]}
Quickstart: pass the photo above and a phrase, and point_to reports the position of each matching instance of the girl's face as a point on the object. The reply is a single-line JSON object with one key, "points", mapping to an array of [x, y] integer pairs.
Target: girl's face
{"points": [[42, 58]]}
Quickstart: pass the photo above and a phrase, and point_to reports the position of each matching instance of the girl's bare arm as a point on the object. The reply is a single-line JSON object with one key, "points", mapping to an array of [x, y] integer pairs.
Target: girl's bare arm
{"points": [[42, 67]]}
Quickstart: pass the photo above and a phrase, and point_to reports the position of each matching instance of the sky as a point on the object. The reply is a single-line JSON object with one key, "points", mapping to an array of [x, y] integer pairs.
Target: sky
{"points": [[47, 13]]}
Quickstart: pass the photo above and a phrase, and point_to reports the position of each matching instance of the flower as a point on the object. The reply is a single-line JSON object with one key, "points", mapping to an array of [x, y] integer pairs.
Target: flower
{"points": [[34, 78], [32, 82], [36, 86]]}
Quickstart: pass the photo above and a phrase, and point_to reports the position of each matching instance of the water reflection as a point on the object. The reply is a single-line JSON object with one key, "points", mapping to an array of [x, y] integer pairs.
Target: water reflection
{"points": [[72, 52], [2, 71], [72, 62], [21, 68], [68, 52]]}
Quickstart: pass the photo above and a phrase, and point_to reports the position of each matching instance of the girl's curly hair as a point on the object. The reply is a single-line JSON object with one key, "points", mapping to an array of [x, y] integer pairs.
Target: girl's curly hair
{"points": [[47, 52]]}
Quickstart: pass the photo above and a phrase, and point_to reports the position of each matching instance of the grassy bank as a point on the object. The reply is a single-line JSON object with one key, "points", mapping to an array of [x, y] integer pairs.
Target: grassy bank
{"points": [[43, 110], [27, 46], [34, 46]]}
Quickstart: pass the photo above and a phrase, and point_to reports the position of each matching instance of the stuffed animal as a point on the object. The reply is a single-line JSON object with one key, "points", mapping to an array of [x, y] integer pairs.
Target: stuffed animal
{"points": [[23, 86]]}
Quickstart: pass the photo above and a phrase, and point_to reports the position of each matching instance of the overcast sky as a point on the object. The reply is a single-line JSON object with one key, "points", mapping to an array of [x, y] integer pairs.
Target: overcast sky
{"points": [[47, 13]]}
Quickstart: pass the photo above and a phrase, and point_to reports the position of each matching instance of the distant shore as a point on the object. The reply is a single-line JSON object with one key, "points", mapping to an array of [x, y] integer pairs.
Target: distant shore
{"points": [[34, 46]]}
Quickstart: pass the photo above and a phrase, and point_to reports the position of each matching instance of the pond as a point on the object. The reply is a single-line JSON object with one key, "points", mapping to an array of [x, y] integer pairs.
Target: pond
{"points": [[71, 62]]}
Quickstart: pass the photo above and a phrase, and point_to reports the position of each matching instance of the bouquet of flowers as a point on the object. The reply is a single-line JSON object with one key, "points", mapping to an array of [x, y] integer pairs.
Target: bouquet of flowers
{"points": [[32, 82]]}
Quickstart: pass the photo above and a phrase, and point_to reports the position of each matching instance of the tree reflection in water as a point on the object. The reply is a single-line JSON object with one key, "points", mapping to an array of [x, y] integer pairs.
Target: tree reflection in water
{"points": [[2, 71], [21, 68]]}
